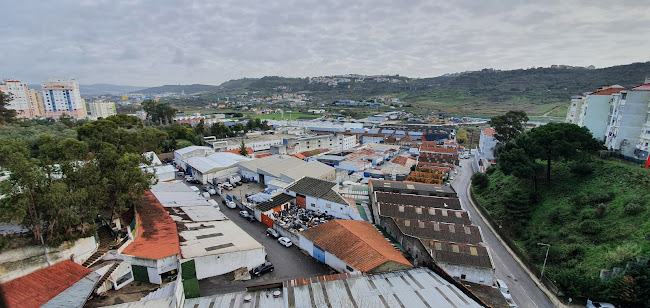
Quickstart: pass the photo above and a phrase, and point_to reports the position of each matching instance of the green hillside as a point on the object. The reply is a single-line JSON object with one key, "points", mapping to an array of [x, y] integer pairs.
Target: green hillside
{"points": [[592, 222]]}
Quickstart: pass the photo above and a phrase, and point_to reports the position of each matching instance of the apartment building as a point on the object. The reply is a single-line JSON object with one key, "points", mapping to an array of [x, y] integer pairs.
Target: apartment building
{"points": [[101, 109], [19, 98], [62, 97], [331, 142], [36, 99], [573, 114], [628, 130], [595, 110]]}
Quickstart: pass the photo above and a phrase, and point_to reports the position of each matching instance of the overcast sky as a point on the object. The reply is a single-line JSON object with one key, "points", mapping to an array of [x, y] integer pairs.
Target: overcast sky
{"points": [[149, 43]]}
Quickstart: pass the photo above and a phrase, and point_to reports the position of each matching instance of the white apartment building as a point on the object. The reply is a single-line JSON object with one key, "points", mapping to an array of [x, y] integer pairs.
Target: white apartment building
{"points": [[573, 114], [101, 109], [61, 96], [19, 98], [628, 128], [595, 109], [331, 142]]}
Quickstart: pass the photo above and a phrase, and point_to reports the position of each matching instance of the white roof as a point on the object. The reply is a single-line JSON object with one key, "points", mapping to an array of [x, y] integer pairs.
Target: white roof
{"points": [[273, 164], [203, 213], [227, 158], [189, 149], [313, 169], [215, 237], [175, 194]]}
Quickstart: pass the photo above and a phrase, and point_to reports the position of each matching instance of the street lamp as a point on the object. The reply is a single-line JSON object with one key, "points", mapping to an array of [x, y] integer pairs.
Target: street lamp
{"points": [[548, 246]]}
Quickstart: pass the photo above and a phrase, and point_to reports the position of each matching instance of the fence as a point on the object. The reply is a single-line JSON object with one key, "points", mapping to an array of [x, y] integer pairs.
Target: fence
{"points": [[505, 235], [627, 158]]}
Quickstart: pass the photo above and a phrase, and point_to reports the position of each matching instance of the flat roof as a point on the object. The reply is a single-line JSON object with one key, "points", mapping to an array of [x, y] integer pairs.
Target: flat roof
{"points": [[419, 287], [191, 148], [287, 161], [175, 194], [313, 169], [418, 200], [203, 213], [213, 238], [157, 236]]}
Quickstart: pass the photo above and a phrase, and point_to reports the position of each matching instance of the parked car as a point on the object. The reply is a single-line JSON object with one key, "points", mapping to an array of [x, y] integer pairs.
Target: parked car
{"points": [[591, 304], [272, 232], [223, 201], [243, 213], [266, 267], [180, 173], [191, 179], [285, 241], [168, 160], [231, 205], [503, 287], [209, 189], [250, 218], [228, 186]]}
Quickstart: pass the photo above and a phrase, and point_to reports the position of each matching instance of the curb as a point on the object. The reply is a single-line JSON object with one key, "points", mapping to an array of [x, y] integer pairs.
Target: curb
{"points": [[542, 287]]}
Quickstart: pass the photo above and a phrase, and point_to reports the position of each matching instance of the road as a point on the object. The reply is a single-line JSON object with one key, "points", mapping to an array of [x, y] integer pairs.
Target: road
{"points": [[289, 262], [524, 291]]}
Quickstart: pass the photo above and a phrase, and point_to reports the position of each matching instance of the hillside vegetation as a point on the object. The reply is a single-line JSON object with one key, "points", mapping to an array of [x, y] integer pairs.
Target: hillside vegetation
{"points": [[592, 221], [538, 91]]}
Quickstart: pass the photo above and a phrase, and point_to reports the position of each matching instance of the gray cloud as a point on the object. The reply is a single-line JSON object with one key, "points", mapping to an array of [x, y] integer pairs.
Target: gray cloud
{"points": [[150, 42]]}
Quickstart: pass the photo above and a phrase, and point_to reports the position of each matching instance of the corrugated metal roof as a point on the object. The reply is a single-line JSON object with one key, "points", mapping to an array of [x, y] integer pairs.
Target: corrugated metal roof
{"points": [[274, 202], [317, 188]]}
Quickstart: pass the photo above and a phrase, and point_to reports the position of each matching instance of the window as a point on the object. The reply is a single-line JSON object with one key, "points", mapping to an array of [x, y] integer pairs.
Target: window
{"points": [[463, 276], [313, 205], [347, 267]]}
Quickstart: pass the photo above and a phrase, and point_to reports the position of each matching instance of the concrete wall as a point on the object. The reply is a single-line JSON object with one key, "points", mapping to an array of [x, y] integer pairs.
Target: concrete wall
{"points": [[596, 115], [214, 265], [633, 117], [330, 259], [483, 276], [335, 209], [154, 267], [411, 244], [19, 262]]}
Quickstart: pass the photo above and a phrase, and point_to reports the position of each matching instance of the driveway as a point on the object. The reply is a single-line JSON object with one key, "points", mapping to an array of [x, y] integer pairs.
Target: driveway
{"points": [[524, 291], [289, 262]]}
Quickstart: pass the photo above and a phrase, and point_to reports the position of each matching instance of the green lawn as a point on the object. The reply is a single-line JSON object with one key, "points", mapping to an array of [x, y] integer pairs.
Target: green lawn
{"points": [[589, 220]]}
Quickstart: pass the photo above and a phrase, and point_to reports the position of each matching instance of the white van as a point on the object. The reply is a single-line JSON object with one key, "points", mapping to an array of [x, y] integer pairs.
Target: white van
{"points": [[195, 189], [503, 287]]}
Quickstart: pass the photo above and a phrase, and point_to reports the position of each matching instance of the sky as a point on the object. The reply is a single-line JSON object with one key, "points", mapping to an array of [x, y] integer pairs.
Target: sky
{"points": [[151, 43]]}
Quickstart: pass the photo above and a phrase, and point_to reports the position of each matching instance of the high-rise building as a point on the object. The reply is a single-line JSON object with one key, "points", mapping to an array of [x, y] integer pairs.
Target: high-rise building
{"points": [[595, 111], [19, 97], [101, 109], [36, 99], [627, 122], [61, 96], [573, 114]]}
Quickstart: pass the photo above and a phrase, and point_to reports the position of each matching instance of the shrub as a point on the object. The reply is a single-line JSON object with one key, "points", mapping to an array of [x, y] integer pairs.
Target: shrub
{"points": [[491, 169], [582, 168], [634, 205], [590, 227], [600, 211], [480, 180]]}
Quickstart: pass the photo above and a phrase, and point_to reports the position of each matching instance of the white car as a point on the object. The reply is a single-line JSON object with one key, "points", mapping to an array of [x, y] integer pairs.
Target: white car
{"points": [[231, 204], [285, 241], [503, 287], [228, 186], [591, 304]]}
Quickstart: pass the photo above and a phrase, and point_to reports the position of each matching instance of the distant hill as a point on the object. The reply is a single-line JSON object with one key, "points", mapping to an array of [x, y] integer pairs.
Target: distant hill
{"points": [[188, 89], [98, 89]]}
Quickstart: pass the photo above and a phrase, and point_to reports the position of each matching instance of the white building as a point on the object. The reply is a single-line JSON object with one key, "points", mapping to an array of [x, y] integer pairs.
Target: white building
{"points": [[101, 109], [62, 97], [331, 142], [486, 144], [595, 111], [320, 195], [283, 170], [182, 155], [214, 166], [19, 98], [627, 127], [573, 114]]}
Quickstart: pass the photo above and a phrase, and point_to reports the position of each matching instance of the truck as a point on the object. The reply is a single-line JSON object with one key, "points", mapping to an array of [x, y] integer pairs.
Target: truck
{"points": [[234, 180]]}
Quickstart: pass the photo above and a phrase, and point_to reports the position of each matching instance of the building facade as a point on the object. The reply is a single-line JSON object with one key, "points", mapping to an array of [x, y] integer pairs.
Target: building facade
{"points": [[595, 111], [625, 129], [19, 98], [573, 114], [101, 109], [62, 97]]}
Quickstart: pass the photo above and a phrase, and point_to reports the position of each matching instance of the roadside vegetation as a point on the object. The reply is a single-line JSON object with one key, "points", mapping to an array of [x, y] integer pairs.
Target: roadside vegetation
{"points": [[550, 186]]}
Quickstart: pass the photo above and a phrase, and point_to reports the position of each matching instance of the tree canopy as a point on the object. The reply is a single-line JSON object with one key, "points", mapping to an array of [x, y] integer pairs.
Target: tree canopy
{"points": [[6, 115], [509, 125]]}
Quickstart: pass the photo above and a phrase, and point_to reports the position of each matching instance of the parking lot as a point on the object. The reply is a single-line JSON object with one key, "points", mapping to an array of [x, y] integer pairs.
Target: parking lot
{"points": [[289, 262]]}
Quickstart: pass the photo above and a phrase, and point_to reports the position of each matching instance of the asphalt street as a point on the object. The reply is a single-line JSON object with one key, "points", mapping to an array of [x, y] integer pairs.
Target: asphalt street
{"points": [[524, 291], [290, 263]]}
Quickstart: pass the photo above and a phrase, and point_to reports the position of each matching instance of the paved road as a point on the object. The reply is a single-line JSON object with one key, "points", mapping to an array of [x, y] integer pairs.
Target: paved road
{"points": [[524, 291], [289, 262]]}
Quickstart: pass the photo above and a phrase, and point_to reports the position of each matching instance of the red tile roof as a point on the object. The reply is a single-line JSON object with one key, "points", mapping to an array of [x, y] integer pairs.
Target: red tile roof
{"points": [[645, 87], [263, 155], [437, 149], [37, 288], [298, 155], [157, 235], [236, 151], [489, 131], [608, 91], [357, 243]]}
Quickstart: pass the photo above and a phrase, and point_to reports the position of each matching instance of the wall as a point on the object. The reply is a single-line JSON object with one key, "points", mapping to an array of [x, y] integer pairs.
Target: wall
{"points": [[411, 244], [632, 120], [483, 276], [337, 210], [19, 262], [154, 267], [214, 265], [596, 115], [330, 259]]}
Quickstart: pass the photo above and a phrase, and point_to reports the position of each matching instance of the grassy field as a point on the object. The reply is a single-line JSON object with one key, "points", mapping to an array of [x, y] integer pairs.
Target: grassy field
{"points": [[592, 222]]}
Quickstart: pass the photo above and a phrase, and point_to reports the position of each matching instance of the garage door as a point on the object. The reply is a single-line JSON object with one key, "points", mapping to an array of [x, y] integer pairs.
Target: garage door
{"points": [[301, 201], [267, 221], [319, 254]]}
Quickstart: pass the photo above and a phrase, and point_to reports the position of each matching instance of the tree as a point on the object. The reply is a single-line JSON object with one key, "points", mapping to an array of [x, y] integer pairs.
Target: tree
{"points": [[238, 128], [242, 149], [517, 157], [6, 115], [509, 125], [561, 141]]}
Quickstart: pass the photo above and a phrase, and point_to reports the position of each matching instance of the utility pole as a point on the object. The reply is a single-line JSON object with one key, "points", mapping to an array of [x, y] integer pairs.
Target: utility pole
{"points": [[548, 246]]}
